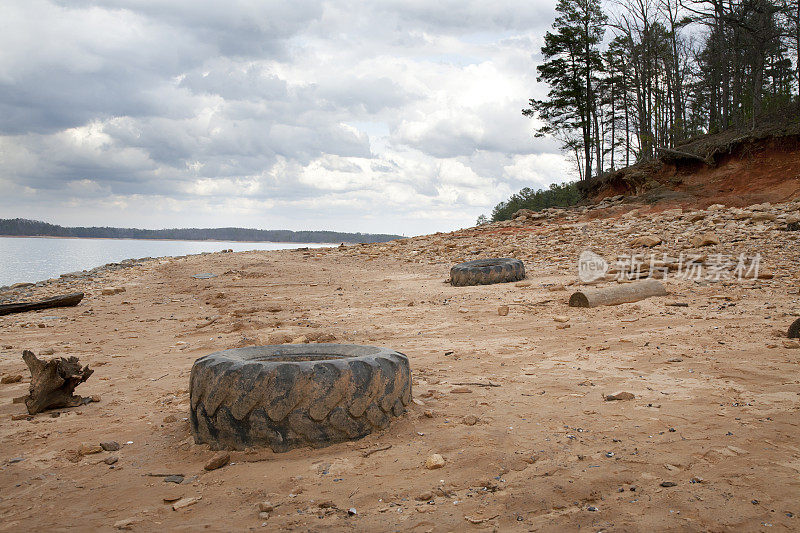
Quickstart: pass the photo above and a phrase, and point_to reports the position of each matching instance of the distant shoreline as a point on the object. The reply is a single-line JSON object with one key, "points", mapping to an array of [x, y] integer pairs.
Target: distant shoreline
{"points": [[161, 239]]}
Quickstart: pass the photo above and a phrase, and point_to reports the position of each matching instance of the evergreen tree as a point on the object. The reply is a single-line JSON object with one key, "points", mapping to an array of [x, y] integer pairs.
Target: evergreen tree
{"points": [[572, 66]]}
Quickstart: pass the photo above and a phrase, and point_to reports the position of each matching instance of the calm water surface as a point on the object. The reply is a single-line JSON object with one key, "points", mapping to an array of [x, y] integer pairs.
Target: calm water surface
{"points": [[24, 259]]}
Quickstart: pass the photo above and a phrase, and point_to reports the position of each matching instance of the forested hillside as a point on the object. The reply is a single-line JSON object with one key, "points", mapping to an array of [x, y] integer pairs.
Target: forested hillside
{"points": [[24, 227], [632, 79]]}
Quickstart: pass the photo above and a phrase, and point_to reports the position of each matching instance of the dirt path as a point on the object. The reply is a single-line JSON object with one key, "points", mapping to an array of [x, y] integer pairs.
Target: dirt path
{"points": [[715, 413]]}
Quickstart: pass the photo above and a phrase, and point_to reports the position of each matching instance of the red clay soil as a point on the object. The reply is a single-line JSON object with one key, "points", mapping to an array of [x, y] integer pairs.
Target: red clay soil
{"points": [[767, 170]]}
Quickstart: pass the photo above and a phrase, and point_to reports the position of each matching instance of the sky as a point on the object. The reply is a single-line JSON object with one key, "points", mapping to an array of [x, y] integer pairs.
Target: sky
{"points": [[396, 116]]}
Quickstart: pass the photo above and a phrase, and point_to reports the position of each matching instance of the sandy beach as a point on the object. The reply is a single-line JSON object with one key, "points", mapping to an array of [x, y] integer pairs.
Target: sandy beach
{"points": [[515, 404]]}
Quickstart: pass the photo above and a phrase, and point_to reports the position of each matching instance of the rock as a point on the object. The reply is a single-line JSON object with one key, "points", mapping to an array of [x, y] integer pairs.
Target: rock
{"points": [[73, 456], [763, 217], [434, 461], [704, 239], [715, 207], [218, 461], [185, 502], [561, 318], [125, 524], [110, 446], [469, 420], [47, 351], [170, 419], [428, 413], [502, 310], [265, 507], [647, 241], [263, 515], [174, 478], [620, 396], [424, 496], [668, 484], [108, 291], [460, 390], [89, 449], [302, 339], [5, 380], [791, 344], [111, 459]]}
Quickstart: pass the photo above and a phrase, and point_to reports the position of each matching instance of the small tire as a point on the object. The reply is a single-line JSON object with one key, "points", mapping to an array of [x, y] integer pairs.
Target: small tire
{"points": [[794, 330], [486, 271], [289, 396]]}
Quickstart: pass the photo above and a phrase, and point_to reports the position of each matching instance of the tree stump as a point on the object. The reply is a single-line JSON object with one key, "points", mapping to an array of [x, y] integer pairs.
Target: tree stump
{"points": [[53, 382]]}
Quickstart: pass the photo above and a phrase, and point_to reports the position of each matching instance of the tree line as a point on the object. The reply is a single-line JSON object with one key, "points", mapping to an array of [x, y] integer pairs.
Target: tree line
{"points": [[646, 75], [20, 227]]}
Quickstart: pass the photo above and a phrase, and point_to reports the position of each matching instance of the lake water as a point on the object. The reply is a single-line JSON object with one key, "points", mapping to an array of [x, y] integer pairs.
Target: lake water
{"points": [[24, 259]]}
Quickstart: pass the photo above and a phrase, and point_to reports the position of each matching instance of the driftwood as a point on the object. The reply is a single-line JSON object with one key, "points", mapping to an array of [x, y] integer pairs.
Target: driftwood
{"points": [[668, 154], [53, 382], [618, 294], [68, 300], [794, 330]]}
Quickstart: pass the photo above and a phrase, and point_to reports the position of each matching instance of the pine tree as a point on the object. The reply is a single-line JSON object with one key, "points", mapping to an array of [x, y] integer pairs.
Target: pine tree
{"points": [[572, 66]]}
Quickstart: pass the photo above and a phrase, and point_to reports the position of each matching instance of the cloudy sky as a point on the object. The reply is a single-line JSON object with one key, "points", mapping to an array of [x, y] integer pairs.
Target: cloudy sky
{"points": [[398, 116]]}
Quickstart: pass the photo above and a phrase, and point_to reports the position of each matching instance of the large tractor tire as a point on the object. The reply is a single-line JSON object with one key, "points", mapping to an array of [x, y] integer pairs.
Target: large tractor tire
{"points": [[288, 396], [486, 271]]}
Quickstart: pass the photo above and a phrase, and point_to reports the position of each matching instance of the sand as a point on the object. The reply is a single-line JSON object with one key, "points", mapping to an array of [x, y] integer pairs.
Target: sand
{"points": [[514, 404]]}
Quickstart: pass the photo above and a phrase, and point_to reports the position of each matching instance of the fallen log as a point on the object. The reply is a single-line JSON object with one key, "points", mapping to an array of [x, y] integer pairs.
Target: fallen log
{"points": [[668, 154], [618, 294], [53, 382], [794, 330], [68, 300]]}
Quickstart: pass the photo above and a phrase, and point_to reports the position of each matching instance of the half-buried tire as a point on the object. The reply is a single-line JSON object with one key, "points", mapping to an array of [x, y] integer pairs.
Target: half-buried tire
{"points": [[486, 271], [288, 396]]}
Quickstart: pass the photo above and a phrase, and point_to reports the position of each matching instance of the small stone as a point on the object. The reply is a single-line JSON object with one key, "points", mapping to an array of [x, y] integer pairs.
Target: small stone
{"points": [[302, 339], [326, 504], [705, 239], [461, 390], [170, 419], [428, 413], [111, 459], [469, 420], [125, 524], [263, 515], [668, 484], [352, 511], [791, 344], [647, 241], [185, 502], [89, 449], [502, 310], [620, 396], [561, 318], [73, 456], [265, 507], [434, 461], [424, 496], [23, 416], [110, 446], [174, 478], [5, 380], [218, 461], [47, 351]]}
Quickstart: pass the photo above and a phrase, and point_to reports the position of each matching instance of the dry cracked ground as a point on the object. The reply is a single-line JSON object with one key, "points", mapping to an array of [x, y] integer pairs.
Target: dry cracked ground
{"points": [[514, 404]]}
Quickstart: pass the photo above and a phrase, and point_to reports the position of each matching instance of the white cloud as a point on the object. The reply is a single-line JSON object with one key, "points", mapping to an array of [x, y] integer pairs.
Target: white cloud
{"points": [[393, 116]]}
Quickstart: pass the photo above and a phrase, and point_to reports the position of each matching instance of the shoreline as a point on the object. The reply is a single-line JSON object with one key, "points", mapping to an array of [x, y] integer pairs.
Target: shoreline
{"points": [[165, 240]]}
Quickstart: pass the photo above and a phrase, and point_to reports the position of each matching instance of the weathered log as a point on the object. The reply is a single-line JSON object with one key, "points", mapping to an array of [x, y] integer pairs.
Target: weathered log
{"points": [[68, 300], [669, 154], [618, 294], [794, 330], [53, 382]]}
